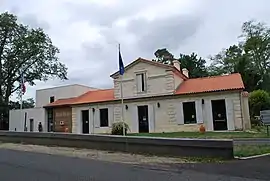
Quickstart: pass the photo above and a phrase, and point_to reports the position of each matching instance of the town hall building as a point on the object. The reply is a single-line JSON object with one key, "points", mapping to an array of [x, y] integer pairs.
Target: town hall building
{"points": [[157, 98]]}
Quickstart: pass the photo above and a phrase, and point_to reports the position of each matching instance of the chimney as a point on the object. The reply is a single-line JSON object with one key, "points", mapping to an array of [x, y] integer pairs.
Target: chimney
{"points": [[185, 72], [176, 64]]}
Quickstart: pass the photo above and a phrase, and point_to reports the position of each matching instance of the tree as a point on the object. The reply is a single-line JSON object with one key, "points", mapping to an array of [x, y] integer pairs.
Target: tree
{"points": [[250, 57], [233, 60], [164, 56], [26, 51], [258, 100], [29, 103], [195, 65], [256, 42]]}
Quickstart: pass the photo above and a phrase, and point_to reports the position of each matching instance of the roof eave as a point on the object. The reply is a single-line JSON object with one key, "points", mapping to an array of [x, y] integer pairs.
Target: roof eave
{"points": [[234, 89]]}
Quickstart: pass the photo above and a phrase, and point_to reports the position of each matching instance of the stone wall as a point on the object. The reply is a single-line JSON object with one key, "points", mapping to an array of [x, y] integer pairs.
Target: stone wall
{"points": [[154, 146]]}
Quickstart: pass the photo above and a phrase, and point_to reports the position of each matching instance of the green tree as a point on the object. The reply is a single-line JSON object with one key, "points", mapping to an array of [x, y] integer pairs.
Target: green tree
{"points": [[256, 42], [251, 57], [258, 100], [26, 50], [28, 103], [194, 64], [164, 56], [234, 60]]}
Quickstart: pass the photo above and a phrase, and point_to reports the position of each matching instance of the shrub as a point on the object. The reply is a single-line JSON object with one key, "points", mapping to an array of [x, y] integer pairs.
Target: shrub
{"points": [[117, 128], [258, 100]]}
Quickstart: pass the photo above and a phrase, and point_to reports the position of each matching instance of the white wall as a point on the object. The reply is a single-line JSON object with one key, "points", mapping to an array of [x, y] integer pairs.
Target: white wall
{"points": [[43, 95], [16, 119], [169, 116], [94, 123]]}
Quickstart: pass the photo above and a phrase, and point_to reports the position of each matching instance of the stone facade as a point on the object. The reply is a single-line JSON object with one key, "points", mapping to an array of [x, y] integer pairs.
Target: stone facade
{"points": [[168, 117], [159, 81]]}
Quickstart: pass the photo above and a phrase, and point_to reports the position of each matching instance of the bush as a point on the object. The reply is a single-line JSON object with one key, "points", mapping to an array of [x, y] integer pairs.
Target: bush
{"points": [[117, 128], [258, 100]]}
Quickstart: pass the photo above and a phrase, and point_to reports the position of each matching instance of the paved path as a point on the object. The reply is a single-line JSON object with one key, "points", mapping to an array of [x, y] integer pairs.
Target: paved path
{"points": [[251, 141], [18, 165]]}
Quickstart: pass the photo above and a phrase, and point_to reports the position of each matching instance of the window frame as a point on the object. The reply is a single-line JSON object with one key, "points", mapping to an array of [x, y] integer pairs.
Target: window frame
{"points": [[141, 79], [191, 120], [52, 99], [101, 118]]}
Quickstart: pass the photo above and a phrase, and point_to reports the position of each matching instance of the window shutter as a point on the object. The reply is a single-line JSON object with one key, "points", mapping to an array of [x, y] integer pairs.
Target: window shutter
{"points": [[139, 82], [91, 120], [208, 118], [151, 117], [111, 116], [97, 120], [199, 113], [134, 120], [179, 113], [230, 114]]}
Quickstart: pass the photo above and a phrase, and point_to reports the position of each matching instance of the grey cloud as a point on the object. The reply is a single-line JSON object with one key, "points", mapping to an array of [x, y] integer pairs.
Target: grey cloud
{"points": [[102, 60], [100, 15], [32, 21], [94, 65], [15, 7], [170, 32]]}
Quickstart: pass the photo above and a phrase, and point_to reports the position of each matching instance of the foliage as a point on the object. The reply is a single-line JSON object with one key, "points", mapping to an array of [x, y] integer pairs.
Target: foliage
{"points": [[29, 103], [258, 100], [27, 50], [250, 57], [195, 65], [117, 128], [164, 56]]}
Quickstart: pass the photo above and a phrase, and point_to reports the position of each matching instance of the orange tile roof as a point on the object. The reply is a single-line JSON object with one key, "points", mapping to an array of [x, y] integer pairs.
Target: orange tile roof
{"points": [[189, 86], [211, 84], [88, 97], [62, 102], [96, 96]]}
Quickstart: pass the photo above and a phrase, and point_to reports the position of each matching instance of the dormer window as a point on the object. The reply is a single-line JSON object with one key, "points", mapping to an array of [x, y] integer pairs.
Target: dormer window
{"points": [[141, 82], [51, 99]]}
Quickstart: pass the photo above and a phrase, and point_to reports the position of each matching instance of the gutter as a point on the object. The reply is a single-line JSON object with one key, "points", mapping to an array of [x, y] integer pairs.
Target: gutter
{"points": [[241, 106]]}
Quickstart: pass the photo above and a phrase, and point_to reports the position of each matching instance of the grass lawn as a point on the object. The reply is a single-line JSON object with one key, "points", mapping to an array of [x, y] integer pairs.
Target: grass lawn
{"points": [[216, 135], [250, 150]]}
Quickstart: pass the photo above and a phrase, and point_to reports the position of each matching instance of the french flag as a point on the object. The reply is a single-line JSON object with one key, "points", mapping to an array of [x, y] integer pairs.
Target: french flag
{"points": [[23, 87]]}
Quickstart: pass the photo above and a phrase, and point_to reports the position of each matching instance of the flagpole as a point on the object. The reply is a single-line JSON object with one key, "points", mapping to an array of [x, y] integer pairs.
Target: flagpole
{"points": [[21, 108], [122, 99], [21, 99]]}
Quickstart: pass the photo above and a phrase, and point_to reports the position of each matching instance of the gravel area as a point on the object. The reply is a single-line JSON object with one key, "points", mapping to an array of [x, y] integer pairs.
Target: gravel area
{"points": [[94, 154]]}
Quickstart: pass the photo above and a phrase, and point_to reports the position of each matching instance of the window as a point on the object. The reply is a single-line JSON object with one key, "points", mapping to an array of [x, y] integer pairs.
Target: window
{"points": [[50, 120], [103, 116], [50, 114], [31, 125], [189, 113], [51, 99], [141, 82]]}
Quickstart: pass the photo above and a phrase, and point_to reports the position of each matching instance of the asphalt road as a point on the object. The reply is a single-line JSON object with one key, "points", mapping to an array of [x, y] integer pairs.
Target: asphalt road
{"points": [[17, 165]]}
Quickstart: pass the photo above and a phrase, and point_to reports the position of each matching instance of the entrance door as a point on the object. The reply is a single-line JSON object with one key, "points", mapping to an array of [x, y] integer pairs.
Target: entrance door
{"points": [[143, 119], [219, 114], [31, 125], [85, 121]]}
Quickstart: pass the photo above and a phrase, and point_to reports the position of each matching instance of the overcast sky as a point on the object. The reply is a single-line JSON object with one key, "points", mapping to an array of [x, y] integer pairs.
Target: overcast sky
{"points": [[87, 31]]}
